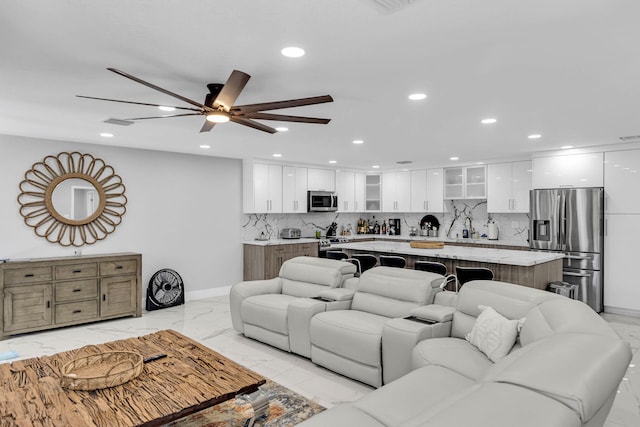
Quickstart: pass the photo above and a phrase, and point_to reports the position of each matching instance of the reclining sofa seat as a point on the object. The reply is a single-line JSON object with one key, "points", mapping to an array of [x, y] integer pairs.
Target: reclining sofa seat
{"points": [[563, 372], [260, 309], [349, 341]]}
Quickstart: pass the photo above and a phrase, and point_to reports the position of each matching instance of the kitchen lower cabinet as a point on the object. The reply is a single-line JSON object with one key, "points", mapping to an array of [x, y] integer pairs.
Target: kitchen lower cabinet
{"points": [[41, 294], [263, 262]]}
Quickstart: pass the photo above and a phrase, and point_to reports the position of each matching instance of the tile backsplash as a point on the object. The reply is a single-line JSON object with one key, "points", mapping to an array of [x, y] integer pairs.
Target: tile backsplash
{"points": [[513, 227]]}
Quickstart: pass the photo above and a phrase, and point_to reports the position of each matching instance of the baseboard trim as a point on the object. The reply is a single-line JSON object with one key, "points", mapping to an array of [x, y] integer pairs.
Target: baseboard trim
{"points": [[622, 311], [207, 293]]}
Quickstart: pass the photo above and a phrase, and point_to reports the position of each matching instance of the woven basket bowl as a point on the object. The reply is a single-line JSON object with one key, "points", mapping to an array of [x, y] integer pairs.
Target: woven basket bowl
{"points": [[101, 370]]}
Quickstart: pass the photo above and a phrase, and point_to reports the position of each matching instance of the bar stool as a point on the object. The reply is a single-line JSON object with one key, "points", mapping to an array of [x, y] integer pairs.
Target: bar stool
{"points": [[339, 255], [431, 266], [467, 274], [364, 261], [392, 261]]}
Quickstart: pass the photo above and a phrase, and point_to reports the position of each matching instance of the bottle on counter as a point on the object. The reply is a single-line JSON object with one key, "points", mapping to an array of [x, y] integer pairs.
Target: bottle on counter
{"points": [[384, 227], [376, 228], [365, 227]]}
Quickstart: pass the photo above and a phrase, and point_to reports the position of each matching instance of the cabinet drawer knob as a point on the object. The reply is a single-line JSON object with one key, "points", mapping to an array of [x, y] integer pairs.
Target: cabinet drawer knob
{"points": [[119, 267], [77, 271], [77, 290], [104, 297], [76, 311], [28, 275]]}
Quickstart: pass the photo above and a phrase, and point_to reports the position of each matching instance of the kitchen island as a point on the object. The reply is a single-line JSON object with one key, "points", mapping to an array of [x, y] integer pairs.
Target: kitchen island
{"points": [[533, 269]]}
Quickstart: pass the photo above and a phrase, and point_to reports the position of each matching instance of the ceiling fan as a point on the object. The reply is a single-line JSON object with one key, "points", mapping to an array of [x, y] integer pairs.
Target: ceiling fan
{"points": [[218, 105]]}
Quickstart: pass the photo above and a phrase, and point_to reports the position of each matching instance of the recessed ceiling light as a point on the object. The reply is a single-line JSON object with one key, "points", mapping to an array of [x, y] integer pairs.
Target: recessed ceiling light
{"points": [[488, 121], [292, 52], [277, 155], [417, 96], [282, 129], [333, 161], [164, 108], [375, 166], [106, 135], [479, 163], [566, 147], [535, 136], [205, 146], [358, 141], [454, 158]]}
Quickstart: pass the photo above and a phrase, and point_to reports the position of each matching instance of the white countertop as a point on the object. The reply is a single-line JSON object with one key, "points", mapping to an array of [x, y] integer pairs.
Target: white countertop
{"points": [[488, 255], [357, 237]]}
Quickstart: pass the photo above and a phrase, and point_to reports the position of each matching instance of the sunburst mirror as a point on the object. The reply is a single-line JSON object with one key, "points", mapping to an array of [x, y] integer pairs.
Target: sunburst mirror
{"points": [[72, 199]]}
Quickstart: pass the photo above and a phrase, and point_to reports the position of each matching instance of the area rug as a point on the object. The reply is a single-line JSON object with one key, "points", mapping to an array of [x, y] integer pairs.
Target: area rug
{"points": [[286, 408]]}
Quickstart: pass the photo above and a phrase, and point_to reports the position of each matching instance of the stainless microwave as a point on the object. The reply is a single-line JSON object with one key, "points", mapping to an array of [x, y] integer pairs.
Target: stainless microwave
{"points": [[322, 201]]}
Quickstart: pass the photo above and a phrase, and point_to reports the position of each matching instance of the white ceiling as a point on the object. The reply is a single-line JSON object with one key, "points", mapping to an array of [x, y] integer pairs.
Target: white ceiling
{"points": [[569, 70]]}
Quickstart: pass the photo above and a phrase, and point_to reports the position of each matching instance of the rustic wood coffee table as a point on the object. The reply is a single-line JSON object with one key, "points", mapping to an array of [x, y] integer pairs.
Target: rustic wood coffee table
{"points": [[191, 378]]}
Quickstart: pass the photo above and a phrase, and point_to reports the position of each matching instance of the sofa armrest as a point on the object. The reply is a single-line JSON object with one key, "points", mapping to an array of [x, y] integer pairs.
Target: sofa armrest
{"points": [[299, 314], [351, 283], [243, 290], [433, 312], [399, 337], [337, 294]]}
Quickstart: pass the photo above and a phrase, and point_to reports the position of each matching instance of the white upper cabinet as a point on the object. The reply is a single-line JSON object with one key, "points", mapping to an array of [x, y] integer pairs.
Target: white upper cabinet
{"points": [[396, 192], [419, 190], [621, 181], [359, 202], [435, 190], [294, 189], [508, 186], [346, 189], [350, 187], [262, 188], [572, 170], [321, 180], [465, 182]]}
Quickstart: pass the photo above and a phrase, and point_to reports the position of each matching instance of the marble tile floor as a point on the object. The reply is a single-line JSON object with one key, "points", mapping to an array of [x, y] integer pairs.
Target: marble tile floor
{"points": [[208, 321]]}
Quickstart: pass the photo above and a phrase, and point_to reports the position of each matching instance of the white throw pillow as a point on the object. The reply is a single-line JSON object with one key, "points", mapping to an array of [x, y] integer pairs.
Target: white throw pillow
{"points": [[494, 334]]}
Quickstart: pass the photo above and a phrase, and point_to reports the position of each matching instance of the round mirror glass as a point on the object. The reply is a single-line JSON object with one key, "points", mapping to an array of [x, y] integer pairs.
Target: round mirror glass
{"points": [[75, 198]]}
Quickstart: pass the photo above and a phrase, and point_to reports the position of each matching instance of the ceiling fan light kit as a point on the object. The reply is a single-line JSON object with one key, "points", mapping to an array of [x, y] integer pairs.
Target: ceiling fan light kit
{"points": [[218, 105], [218, 117]]}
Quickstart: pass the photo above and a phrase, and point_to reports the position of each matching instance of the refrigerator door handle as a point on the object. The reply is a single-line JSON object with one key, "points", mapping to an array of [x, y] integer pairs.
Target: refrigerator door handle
{"points": [[577, 257], [568, 273], [563, 221]]}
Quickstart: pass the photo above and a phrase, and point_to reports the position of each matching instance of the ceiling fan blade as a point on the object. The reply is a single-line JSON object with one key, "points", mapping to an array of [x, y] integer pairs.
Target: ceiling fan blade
{"points": [[281, 104], [165, 117], [137, 103], [207, 126], [286, 118], [231, 90], [159, 89], [253, 124]]}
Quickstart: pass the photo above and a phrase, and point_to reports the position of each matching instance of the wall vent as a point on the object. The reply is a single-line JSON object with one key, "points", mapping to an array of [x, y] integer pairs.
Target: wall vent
{"points": [[119, 122], [629, 138], [404, 162], [390, 6]]}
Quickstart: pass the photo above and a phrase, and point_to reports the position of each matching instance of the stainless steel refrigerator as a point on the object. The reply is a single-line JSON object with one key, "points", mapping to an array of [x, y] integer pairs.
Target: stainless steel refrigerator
{"points": [[571, 221]]}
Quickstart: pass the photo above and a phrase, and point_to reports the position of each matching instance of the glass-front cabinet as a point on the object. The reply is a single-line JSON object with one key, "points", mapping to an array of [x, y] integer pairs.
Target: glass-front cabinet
{"points": [[468, 182], [372, 192]]}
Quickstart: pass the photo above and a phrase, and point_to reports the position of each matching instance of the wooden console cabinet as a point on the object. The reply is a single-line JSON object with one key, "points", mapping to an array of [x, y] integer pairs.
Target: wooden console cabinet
{"points": [[47, 293]]}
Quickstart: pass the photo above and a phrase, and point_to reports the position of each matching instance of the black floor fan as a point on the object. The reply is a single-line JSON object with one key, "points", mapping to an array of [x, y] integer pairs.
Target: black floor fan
{"points": [[165, 289]]}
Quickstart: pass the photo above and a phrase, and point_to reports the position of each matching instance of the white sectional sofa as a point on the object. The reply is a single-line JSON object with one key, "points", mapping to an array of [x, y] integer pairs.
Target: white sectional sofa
{"points": [[278, 311], [563, 370]]}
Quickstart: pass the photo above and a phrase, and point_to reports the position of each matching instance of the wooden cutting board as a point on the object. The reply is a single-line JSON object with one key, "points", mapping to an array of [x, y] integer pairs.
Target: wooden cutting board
{"points": [[427, 245]]}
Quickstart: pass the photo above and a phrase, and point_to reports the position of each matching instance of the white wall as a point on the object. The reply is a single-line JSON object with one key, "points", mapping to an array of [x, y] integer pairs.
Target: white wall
{"points": [[183, 212]]}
